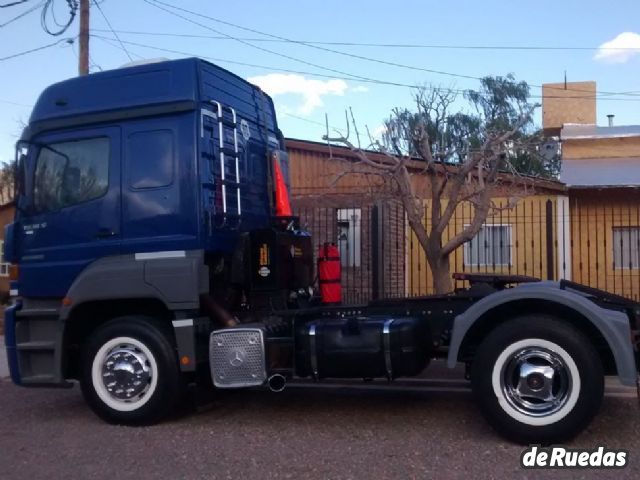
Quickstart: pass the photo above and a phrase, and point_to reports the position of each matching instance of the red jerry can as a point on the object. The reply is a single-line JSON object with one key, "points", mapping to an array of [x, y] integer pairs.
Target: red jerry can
{"points": [[329, 273]]}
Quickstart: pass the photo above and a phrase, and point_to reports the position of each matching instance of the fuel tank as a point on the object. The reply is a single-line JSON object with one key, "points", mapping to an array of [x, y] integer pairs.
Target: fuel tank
{"points": [[362, 347]]}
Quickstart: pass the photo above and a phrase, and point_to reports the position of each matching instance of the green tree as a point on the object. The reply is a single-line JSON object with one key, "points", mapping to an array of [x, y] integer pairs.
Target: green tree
{"points": [[497, 106]]}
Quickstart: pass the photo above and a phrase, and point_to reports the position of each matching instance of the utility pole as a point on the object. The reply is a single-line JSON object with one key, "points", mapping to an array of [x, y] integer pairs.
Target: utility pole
{"points": [[83, 56]]}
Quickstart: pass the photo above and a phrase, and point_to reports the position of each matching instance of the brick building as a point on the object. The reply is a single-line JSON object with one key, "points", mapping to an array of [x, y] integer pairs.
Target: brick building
{"points": [[6, 216], [601, 168], [356, 212]]}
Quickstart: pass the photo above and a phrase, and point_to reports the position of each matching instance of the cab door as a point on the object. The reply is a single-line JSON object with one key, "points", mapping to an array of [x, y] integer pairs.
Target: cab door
{"points": [[73, 214]]}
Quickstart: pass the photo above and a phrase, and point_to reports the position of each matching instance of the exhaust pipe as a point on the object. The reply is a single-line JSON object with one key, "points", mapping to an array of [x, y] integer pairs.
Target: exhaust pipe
{"points": [[277, 382]]}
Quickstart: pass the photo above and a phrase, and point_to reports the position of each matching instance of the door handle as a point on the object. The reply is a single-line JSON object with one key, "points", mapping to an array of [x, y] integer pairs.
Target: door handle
{"points": [[105, 233]]}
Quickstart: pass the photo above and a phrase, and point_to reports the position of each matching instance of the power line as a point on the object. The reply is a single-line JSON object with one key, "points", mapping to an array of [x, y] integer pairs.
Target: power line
{"points": [[10, 102], [335, 77], [157, 4], [48, 6], [284, 70], [365, 44], [252, 45], [112, 30], [20, 54], [323, 125], [18, 2], [94, 63], [23, 14], [91, 62], [304, 119], [269, 67], [53, 15], [108, 41]]}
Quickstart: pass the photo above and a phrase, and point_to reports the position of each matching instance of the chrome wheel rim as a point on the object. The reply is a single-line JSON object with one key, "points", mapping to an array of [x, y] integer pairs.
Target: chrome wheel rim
{"points": [[536, 381], [124, 373]]}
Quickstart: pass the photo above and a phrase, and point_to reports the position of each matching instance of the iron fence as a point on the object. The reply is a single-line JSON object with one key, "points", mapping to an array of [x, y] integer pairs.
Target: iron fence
{"points": [[590, 238]]}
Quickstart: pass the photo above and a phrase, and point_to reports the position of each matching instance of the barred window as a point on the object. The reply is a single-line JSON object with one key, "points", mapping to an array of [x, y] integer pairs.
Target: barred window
{"points": [[490, 247], [349, 236], [4, 266], [626, 247]]}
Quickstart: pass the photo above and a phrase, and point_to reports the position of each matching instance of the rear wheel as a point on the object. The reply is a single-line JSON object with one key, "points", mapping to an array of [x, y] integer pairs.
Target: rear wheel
{"points": [[537, 380], [130, 373]]}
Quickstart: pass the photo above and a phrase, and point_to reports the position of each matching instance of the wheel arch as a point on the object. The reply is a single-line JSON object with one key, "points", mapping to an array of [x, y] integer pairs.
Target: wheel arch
{"points": [[607, 329], [162, 285], [85, 318]]}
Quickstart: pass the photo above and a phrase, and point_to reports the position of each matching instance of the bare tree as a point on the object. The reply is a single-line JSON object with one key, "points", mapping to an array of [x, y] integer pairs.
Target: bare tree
{"points": [[464, 157], [7, 173]]}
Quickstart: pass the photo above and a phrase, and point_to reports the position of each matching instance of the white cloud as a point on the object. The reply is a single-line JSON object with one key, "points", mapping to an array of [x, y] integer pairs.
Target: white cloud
{"points": [[311, 90], [379, 131], [619, 50], [360, 89]]}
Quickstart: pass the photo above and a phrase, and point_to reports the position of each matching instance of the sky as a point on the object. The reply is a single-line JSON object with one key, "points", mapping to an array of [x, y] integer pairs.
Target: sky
{"points": [[604, 37]]}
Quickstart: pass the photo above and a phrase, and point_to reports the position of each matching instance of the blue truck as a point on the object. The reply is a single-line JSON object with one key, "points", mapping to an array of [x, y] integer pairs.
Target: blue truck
{"points": [[153, 250]]}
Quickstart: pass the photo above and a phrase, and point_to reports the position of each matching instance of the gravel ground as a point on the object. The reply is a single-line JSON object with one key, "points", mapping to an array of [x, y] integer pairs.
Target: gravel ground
{"points": [[338, 432]]}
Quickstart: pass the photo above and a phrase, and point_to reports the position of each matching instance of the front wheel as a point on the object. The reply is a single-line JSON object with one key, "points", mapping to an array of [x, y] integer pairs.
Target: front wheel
{"points": [[130, 373], [537, 380]]}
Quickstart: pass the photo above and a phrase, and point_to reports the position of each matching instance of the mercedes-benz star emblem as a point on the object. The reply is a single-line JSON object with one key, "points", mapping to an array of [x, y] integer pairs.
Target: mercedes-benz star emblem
{"points": [[236, 358]]}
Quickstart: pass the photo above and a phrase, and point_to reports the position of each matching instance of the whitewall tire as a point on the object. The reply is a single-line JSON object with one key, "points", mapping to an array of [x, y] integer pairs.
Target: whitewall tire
{"points": [[130, 373], [124, 374], [537, 379]]}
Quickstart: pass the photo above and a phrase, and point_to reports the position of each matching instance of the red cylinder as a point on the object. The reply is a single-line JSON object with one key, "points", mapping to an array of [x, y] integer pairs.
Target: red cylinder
{"points": [[329, 273]]}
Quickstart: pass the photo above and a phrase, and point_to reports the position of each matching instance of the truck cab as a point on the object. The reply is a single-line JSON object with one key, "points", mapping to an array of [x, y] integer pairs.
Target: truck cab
{"points": [[141, 190], [144, 159]]}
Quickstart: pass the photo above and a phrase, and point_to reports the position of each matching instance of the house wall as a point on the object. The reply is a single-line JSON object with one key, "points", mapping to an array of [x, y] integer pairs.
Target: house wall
{"points": [[573, 102], [6, 216], [393, 248], [601, 148], [529, 253], [594, 214], [313, 171]]}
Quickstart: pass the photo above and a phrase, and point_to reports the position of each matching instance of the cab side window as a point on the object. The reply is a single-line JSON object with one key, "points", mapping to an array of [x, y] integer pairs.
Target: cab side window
{"points": [[69, 173], [151, 157]]}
